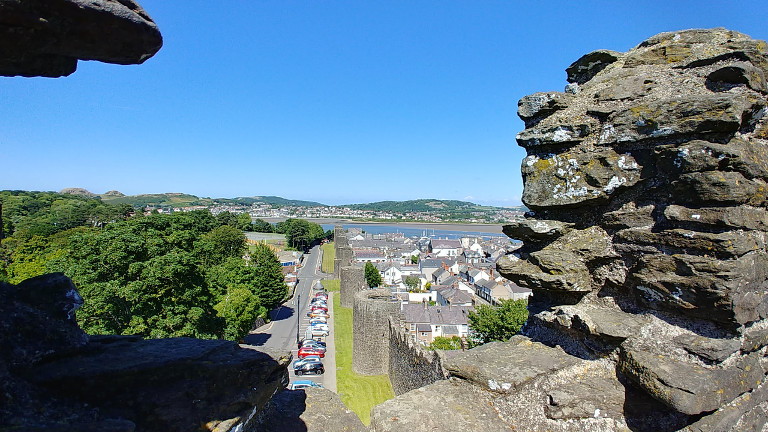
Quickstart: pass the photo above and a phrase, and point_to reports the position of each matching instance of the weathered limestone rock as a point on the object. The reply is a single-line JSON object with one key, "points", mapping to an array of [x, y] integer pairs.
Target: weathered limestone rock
{"points": [[531, 230], [445, 406], [686, 386], [504, 366], [47, 38], [645, 249], [56, 379], [311, 410]]}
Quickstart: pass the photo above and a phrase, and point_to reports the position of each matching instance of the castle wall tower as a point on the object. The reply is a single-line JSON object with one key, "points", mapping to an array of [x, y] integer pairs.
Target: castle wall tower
{"points": [[370, 322], [352, 281]]}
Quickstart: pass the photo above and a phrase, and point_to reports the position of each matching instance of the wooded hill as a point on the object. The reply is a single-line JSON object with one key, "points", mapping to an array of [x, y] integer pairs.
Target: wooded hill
{"points": [[425, 205]]}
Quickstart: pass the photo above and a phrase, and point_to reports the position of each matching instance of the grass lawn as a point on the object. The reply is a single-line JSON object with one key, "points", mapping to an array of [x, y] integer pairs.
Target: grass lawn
{"points": [[329, 254], [359, 393], [332, 284]]}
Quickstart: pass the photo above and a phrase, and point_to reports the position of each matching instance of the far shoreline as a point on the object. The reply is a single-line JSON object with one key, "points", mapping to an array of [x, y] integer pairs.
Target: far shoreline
{"points": [[448, 226]]}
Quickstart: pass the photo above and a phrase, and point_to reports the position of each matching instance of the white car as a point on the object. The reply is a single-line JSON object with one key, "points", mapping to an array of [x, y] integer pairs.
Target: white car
{"points": [[321, 326], [318, 320], [314, 331]]}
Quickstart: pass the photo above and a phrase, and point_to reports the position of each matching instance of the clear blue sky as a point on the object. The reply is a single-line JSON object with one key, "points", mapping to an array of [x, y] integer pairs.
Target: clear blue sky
{"points": [[330, 101]]}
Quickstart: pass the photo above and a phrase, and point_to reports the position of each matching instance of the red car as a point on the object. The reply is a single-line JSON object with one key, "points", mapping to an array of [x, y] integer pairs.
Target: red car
{"points": [[309, 351]]}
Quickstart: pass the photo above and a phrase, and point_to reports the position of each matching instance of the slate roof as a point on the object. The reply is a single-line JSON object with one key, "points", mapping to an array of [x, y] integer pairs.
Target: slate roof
{"points": [[439, 273], [454, 295], [368, 254], [439, 315], [490, 284], [446, 244], [423, 328], [451, 330]]}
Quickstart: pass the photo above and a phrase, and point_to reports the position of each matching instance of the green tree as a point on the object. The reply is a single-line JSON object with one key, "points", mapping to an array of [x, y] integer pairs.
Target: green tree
{"points": [[262, 226], [413, 283], [301, 234], [444, 343], [239, 308], [497, 323], [221, 243], [270, 282], [372, 275], [244, 222], [414, 259], [227, 218]]}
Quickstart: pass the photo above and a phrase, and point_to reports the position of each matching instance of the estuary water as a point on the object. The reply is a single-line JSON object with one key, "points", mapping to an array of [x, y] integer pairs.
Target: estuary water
{"points": [[416, 230]]}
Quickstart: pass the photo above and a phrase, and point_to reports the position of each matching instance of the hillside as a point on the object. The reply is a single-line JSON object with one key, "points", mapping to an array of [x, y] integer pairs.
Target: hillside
{"points": [[182, 199], [423, 205], [163, 199], [273, 200]]}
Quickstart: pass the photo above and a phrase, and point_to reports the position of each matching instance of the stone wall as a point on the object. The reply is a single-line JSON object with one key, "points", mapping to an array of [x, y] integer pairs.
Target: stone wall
{"points": [[410, 365], [339, 242], [370, 338], [645, 249], [55, 378], [352, 281]]}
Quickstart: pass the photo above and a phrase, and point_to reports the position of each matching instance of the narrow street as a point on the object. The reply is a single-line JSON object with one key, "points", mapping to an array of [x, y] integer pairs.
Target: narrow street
{"points": [[290, 320]]}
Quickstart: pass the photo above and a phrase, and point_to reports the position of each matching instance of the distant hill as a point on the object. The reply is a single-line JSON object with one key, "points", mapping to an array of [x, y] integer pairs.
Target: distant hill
{"points": [[452, 208], [182, 200], [276, 200], [78, 191], [423, 205], [164, 199]]}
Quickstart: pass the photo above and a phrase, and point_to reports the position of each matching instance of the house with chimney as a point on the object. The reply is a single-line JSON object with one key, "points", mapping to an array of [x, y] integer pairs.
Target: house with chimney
{"points": [[445, 247], [425, 322]]}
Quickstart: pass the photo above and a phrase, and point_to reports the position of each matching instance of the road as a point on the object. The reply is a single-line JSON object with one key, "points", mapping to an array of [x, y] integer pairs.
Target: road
{"points": [[280, 333]]}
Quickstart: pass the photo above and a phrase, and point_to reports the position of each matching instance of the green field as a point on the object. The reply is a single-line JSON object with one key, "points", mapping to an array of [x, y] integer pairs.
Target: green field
{"points": [[359, 393], [329, 254], [331, 284]]}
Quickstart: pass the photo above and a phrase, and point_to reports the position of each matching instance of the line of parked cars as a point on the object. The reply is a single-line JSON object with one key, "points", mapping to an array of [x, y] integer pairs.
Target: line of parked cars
{"points": [[311, 348]]}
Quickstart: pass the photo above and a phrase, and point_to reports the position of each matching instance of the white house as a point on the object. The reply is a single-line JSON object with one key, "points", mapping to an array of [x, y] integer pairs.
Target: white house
{"points": [[427, 322], [445, 247]]}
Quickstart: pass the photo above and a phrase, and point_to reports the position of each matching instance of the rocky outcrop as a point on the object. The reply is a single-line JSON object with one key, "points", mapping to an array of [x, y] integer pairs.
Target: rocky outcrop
{"points": [[47, 38], [78, 191], [311, 410], [645, 248], [55, 378]]}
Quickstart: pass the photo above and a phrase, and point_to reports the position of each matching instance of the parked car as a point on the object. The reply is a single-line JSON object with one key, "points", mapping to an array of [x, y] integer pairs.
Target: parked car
{"points": [[314, 342], [321, 326], [318, 332], [322, 295], [318, 313], [309, 367], [322, 308], [310, 351], [318, 320], [302, 384], [318, 303], [305, 360]]}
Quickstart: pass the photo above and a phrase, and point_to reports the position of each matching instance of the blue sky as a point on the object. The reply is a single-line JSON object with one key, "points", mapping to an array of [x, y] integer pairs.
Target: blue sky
{"points": [[330, 101]]}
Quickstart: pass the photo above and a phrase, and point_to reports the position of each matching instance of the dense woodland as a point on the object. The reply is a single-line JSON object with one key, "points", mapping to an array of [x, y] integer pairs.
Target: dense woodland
{"points": [[183, 274]]}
